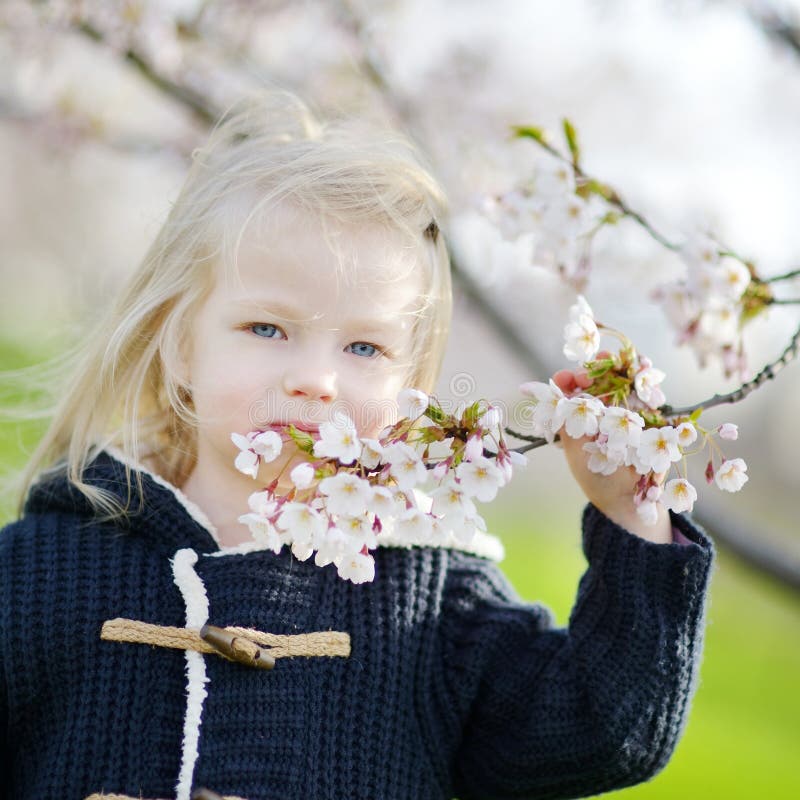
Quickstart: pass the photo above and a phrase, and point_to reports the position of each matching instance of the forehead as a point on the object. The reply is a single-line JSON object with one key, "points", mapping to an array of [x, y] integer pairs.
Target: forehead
{"points": [[292, 254]]}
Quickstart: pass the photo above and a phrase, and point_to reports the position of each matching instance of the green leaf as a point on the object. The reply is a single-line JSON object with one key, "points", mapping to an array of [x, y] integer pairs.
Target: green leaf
{"points": [[435, 414], [571, 135], [695, 415], [469, 419], [530, 132], [302, 439]]}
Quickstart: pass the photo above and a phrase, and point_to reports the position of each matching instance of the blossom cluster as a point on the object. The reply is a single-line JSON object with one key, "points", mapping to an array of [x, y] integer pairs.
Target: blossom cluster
{"points": [[551, 218], [351, 489], [711, 304], [615, 400], [558, 211]]}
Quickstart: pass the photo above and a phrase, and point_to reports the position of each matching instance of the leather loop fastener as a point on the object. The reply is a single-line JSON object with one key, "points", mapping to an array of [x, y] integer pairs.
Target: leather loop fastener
{"points": [[236, 648], [270, 645]]}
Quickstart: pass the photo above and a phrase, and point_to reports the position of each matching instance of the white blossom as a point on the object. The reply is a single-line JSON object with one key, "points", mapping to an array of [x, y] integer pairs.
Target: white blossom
{"points": [[581, 415], [491, 422], [479, 478], [731, 278], [622, 427], [679, 304], [331, 546], [382, 503], [679, 495], [547, 413], [346, 494], [412, 403], [728, 431], [414, 525], [268, 445], [356, 567], [371, 453], [687, 434], [358, 530], [700, 252], [451, 502], [648, 512], [302, 476], [338, 439], [518, 459], [646, 383], [731, 475], [406, 467], [302, 551], [582, 339], [303, 523], [262, 503], [474, 448], [580, 308], [247, 463], [263, 532], [602, 460], [658, 448]]}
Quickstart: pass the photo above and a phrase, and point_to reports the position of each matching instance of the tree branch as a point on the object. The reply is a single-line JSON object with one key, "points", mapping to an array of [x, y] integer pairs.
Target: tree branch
{"points": [[767, 373], [187, 97], [752, 551], [794, 273]]}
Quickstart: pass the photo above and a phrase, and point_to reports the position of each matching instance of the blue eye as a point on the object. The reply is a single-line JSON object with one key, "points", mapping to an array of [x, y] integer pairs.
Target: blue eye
{"points": [[363, 349], [267, 331]]}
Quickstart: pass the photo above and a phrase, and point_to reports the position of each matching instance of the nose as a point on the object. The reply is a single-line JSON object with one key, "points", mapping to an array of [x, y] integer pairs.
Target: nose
{"points": [[310, 380]]}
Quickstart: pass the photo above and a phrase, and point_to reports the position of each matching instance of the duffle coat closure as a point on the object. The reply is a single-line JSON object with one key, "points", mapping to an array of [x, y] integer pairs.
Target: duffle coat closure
{"points": [[148, 662]]}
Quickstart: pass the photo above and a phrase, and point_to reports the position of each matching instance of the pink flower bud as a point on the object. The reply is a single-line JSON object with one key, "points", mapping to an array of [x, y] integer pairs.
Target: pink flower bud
{"points": [[474, 448], [728, 431], [710, 472], [654, 493], [439, 471]]}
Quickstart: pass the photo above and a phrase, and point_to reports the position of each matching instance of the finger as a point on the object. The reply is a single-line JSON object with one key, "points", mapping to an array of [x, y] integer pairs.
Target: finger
{"points": [[565, 380], [582, 379]]}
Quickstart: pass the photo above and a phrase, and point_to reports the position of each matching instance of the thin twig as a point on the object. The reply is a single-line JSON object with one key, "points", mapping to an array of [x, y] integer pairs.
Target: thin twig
{"points": [[768, 373], [753, 552], [794, 273], [614, 199], [187, 97]]}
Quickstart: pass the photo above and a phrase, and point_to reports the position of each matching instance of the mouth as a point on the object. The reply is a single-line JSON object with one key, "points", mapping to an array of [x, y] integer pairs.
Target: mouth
{"points": [[301, 426]]}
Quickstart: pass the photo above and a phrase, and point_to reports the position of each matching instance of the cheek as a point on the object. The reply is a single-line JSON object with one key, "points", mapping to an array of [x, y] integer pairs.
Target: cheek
{"points": [[376, 406], [229, 399]]}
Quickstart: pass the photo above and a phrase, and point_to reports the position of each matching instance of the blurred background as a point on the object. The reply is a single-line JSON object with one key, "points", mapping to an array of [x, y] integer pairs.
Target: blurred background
{"points": [[691, 110]]}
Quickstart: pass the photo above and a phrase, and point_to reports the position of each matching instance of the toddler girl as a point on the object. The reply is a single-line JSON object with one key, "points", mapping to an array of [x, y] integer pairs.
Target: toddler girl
{"points": [[150, 649]]}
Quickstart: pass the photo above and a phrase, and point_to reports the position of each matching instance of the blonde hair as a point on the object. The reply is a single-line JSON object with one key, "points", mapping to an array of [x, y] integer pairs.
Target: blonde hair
{"points": [[124, 388]]}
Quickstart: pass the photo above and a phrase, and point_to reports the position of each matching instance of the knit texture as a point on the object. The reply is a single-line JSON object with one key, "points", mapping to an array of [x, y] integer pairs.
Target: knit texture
{"points": [[454, 686]]}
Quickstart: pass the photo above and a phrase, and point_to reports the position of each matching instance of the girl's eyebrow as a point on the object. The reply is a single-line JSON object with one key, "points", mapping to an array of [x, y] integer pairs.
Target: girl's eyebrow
{"points": [[289, 313], [282, 310]]}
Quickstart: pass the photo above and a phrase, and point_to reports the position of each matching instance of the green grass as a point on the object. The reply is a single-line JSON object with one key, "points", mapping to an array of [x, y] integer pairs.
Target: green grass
{"points": [[743, 736]]}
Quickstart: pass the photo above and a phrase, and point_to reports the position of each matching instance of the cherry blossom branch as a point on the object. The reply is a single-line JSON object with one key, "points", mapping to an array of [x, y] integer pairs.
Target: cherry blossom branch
{"points": [[795, 273], [768, 559], [613, 198], [774, 25], [534, 442], [611, 195], [767, 373], [192, 100]]}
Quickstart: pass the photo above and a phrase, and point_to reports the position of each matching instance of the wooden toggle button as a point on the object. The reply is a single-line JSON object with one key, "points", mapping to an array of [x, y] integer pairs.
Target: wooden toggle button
{"points": [[236, 647]]}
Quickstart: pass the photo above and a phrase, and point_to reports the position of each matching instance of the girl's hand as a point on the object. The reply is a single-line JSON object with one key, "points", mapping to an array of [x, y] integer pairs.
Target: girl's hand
{"points": [[611, 494]]}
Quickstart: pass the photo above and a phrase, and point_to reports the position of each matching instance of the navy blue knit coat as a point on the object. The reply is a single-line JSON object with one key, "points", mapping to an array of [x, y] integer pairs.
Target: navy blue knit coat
{"points": [[453, 686]]}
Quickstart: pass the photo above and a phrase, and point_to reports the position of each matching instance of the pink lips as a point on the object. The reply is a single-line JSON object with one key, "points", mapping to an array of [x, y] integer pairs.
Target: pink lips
{"points": [[301, 426]]}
